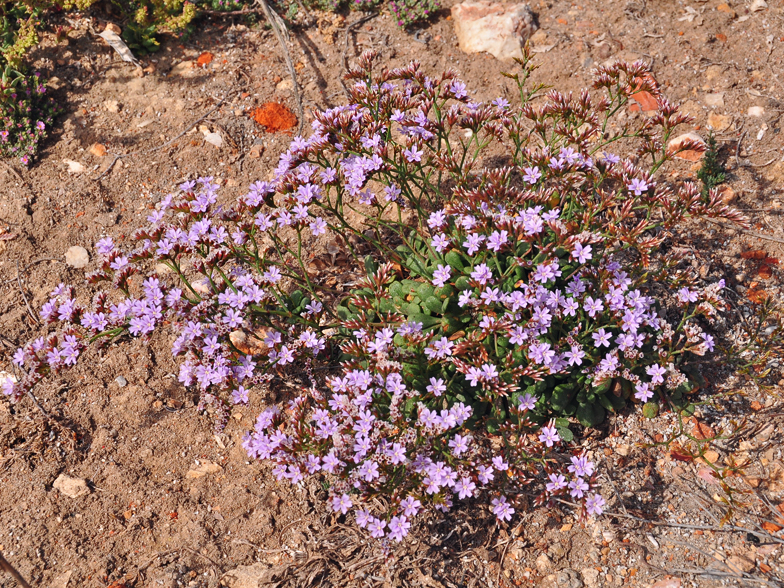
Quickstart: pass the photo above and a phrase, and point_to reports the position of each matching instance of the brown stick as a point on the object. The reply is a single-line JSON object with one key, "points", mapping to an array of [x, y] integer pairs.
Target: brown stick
{"points": [[752, 233], [21, 291], [11, 571]]}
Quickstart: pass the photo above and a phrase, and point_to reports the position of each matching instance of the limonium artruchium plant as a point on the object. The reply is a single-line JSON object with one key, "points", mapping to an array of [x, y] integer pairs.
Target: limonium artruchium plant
{"points": [[498, 300]]}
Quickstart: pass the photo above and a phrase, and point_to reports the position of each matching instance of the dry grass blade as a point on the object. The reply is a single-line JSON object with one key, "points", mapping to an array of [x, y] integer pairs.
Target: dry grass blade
{"points": [[11, 571]]}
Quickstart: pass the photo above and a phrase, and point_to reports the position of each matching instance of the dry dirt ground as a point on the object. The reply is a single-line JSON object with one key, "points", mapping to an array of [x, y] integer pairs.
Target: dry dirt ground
{"points": [[171, 504]]}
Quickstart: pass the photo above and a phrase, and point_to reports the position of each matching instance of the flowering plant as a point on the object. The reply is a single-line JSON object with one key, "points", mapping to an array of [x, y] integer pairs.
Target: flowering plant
{"points": [[26, 110], [498, 295]]}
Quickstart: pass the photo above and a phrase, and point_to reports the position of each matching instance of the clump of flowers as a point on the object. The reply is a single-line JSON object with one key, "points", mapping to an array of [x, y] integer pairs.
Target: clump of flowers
{"points": [[497, 299], [26, 112], [410, 12]]}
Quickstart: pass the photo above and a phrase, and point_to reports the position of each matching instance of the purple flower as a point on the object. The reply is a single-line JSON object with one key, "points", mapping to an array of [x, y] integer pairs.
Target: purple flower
{"points": [[581, 466], [497, 240], [441, 275], [464, 488], [376, 527], [656, 372], [557, 482], [472, 242], [240, 395], [637, 186], [398, 528], [482, 273], [594, 504], [644, 392], [410, 506], [532, 175], [436, 386], [577, 487], [685, 295], [601, 338], [318, 227], [527, 402], [580, 253], [440, 242], [459, 445], [341, 504], [413, 154], [549, 436], [502, 509]]}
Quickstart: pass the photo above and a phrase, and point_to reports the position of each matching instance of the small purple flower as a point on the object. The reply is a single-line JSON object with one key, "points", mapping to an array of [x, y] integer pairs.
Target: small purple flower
{"points": [[644, 392], [527, 402], [532, 175], [441, 275], [549, 436], [440, 242], [341, 504], [413, 154], [502, 509], [240, 395], [594, 504], [376, 527], [410, 506], [637, 186], [601, 338], [656, 372], [398, 528], [580, 253], [557, 482], [436, 386]]}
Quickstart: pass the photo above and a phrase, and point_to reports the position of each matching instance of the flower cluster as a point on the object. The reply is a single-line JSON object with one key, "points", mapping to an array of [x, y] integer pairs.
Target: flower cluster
{"points": [[409, 12], [26, 111], [511, 298]]}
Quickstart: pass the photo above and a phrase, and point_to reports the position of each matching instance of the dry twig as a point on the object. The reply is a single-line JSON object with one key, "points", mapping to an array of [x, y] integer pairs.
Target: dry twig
{"points": [[752, 233], [10, 570], [282, 34]]}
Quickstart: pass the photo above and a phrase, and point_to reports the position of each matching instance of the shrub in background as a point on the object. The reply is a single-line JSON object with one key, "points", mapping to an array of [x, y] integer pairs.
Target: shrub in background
{"points": [[26, 110], [497, 298]]}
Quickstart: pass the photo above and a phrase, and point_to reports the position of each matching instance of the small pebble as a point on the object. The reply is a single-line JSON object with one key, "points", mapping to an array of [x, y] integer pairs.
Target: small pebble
{"points": [[121, 382], [77, 257]]}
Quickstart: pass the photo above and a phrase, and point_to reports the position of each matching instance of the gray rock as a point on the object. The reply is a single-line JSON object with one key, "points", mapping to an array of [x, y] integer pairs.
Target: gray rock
{"points": [[498, 28], [121, 382]]}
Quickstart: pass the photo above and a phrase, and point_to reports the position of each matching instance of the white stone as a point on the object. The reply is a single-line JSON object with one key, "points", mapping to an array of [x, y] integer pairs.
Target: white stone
{"points": [[214, 139], [244, 576], [284, 85], [77, 257], [758, 5], [204, 469], [715, 100], [71, 487], [498, 28], [590, 577], [112, 106], [74, 167], [756, 111]]}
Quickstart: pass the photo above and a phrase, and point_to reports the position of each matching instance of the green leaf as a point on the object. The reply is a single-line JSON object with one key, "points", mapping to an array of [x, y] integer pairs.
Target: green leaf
{"points": [[650, 410], [371, 267]]}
